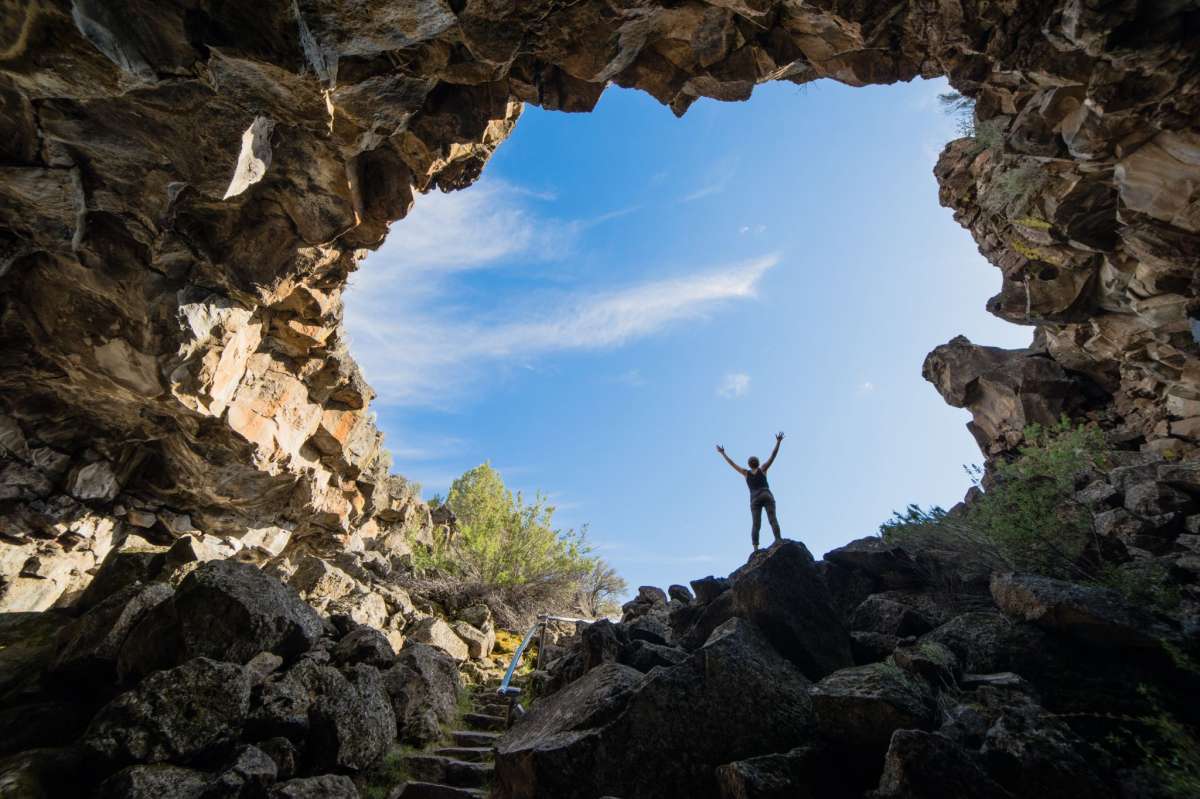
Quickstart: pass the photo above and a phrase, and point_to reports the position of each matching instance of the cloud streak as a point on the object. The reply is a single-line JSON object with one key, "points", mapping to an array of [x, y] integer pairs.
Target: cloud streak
{"points": [[419, 343]]}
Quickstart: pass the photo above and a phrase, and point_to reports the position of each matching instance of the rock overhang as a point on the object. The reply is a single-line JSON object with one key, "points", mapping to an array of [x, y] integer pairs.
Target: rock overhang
{"points": [[185, 193]]}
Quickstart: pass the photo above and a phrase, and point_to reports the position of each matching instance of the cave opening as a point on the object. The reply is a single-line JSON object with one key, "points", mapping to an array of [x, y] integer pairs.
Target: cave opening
{"points": [[639, 287]]}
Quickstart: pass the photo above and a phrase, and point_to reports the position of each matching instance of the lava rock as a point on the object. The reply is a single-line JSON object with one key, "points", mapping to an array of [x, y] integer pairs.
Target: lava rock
{"points": [[924, 765], [173, 715], [159, 781], [364, 645], [1097, 615], [224, 610], [878, 614], [860, 707], [90, 645], [435, 632], [326, 786], [781, 592], [423, 686]]}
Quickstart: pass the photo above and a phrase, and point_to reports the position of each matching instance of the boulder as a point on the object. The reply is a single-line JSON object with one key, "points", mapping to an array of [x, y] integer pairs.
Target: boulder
{"points": [[890, 565], [860, 707], [1090, 613], [1152, 498], [89, 646], [351, 726], [924, 765], [282, 702], [224, 610], [158, 781], [364, 645], [781, 592], [173, 715], [362, 607], [871, 647], [424, 687], [680, 593], [1032, 753], [644, 656], [933, 662], [135, 560], [95, 481], [283, 754], [316, 578], [806, 772], [709, 588], [435, 632], [603, 733], [326, 786], [479, 644], [878, 614], [247, 774], [692, 627]]}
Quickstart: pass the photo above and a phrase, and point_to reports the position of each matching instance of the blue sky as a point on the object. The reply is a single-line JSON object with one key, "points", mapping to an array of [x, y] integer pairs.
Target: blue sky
{"points": [[622, 290]]}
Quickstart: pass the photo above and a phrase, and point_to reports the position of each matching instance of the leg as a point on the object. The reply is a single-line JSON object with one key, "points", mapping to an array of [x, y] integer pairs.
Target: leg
{"points": [[770, 504], [756, 513]]}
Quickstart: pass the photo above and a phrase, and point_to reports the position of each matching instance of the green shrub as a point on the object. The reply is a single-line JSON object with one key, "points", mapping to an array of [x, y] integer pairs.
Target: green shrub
{"points": [[962, 109], [1014, 189], [508, 552], [1028, 520]]}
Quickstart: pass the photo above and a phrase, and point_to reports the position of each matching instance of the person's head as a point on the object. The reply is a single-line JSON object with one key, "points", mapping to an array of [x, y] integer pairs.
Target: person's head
{"points": [[753, 462]]}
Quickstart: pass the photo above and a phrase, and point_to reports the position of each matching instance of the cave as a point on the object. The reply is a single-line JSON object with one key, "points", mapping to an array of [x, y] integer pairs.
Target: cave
{"points": [[186, 187]]}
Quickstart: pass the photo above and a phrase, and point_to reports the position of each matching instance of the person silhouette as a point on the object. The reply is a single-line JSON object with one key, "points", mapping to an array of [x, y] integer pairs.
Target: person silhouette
{"points": [[761, 497]]}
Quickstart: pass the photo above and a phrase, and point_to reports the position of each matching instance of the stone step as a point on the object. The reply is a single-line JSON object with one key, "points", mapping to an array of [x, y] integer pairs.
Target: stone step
{"points": [[497, 707], [475, 754], [448, 771], [431, 790], [474, 738], [485, 721]]}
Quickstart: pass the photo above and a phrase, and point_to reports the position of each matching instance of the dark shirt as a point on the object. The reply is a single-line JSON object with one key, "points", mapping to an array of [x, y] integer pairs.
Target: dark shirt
{"points": [[756, 480]]}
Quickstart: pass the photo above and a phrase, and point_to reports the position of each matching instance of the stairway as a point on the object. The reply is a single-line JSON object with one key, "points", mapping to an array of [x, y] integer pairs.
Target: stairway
{"points": [[463, 768]]}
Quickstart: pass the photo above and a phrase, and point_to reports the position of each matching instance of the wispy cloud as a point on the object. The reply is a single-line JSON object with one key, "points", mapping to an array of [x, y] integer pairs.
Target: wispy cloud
{"points": [[865, 387], [757, 230], [633, 378], [717, 181], [420, 344], [734, 385]]}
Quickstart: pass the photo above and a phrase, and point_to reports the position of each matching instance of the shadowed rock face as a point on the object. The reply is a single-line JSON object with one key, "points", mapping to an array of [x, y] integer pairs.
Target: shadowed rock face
{"points": [[185, 188]]}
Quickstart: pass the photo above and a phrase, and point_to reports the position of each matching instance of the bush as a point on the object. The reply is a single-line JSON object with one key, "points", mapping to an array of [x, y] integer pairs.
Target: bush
{"points": [[1028, 520], [507, 553], [962, 109], [1014, 189]]}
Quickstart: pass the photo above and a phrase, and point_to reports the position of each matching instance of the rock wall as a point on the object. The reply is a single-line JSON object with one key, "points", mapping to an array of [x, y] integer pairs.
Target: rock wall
{"points": [[186, 186]]}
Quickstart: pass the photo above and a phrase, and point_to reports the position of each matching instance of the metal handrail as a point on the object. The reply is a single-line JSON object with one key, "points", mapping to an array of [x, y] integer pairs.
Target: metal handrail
{"points": [[510, 691]]}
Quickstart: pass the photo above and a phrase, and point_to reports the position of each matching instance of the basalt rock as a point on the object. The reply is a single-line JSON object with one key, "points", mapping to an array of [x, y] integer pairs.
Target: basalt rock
{"points": [[604, 732], [224, 610], [782, 593], [174, 715]]}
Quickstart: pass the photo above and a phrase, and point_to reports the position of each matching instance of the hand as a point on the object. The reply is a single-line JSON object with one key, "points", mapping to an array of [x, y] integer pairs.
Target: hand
{"points": [[779, 436], [720, 449]]}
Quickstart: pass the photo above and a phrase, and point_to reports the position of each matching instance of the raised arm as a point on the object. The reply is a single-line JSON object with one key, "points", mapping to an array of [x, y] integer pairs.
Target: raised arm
{"points": [[774, 452], [729, 460]]}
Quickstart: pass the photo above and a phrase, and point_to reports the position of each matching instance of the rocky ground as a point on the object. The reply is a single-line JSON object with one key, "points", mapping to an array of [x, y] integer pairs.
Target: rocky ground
{"points": [[184, 679], [875, 672]]}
